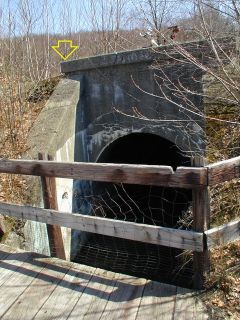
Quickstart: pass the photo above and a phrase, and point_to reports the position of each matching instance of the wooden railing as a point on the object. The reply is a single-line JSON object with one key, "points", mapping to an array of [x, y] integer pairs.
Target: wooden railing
{"points": [[185, 177], [199, 240]]}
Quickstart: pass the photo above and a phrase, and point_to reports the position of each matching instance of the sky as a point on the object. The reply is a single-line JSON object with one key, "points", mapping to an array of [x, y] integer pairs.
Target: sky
{"points": [[42, 15], [68, 16]]}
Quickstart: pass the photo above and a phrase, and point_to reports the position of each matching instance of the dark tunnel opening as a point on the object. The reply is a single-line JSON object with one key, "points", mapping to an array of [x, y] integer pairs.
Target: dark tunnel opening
{"points": [[148, 201], [144, 148], [160, 206]]}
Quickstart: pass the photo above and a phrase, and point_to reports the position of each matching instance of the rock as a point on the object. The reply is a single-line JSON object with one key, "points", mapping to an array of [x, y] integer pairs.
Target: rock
{"points": [[2, 226], [14, 241]]}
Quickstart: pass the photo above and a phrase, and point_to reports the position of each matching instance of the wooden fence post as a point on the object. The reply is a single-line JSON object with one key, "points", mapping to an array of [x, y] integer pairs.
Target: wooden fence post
{"points": [[54, 232], [201, 222]]}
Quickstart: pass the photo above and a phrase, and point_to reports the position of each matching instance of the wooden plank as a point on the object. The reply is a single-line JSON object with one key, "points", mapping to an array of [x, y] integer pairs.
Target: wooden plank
{"points": [[118, 298], [63, 299], [158, 302], [125, 299], [54, 232], [188, 307], [11, 264], [17, 283], [92, 303], [5, 251], [201, 218], [185, 177], [224, 234], [223, 171], [122, 229], [31, 300], [102, 289], [11, 261], [49, 288]]}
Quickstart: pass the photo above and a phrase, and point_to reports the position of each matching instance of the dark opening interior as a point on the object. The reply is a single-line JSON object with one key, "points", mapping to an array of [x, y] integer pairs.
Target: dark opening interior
{"points": [[161, 206], [143, 148]]}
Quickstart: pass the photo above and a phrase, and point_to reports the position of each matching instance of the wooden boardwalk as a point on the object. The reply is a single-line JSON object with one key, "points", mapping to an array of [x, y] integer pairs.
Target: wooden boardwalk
{"points": [[35, 287]]}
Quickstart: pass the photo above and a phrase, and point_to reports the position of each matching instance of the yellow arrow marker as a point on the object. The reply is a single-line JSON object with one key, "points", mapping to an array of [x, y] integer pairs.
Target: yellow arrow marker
{"points": [[73, 48]]}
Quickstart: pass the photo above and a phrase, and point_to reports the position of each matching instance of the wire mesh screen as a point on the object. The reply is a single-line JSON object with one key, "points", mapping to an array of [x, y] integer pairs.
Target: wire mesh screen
{"points": [[140, 204], [151, 205]]}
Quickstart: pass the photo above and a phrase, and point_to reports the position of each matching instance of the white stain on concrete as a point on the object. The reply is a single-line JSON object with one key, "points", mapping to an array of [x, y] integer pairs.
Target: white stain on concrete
{"points": [[118, 95], [105, 137], [95, 91], [65, 190]]}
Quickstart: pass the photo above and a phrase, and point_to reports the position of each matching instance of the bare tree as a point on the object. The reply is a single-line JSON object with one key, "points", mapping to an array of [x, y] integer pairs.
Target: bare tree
{"points": [[216, 24], [106, 19]]}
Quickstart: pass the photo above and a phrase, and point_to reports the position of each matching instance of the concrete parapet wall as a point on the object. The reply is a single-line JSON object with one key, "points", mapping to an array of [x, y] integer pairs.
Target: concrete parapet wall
{"points": [[54, 133], [56, 123], [163, 54]]}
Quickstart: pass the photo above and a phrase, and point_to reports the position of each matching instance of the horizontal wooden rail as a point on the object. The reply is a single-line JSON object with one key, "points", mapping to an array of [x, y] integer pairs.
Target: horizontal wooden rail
{"points": [[223, 171], [222, 235], [183, 177], [175, 238]]}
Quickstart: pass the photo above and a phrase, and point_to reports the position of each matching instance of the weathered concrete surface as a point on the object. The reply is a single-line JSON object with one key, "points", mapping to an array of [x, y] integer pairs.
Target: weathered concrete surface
{"points": [[110, 92], [56, 123], [114, 85], [164, 53], [54, 133]]}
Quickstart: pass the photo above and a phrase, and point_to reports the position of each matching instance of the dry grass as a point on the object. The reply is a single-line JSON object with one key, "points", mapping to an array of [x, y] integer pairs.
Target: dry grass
{"points": [[13, 143], [14, 132], [223, 282]]}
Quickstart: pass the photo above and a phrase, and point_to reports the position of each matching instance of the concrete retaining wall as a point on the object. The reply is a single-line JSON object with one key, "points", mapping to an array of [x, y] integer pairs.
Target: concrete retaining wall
{"points": [[54, 133]]}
